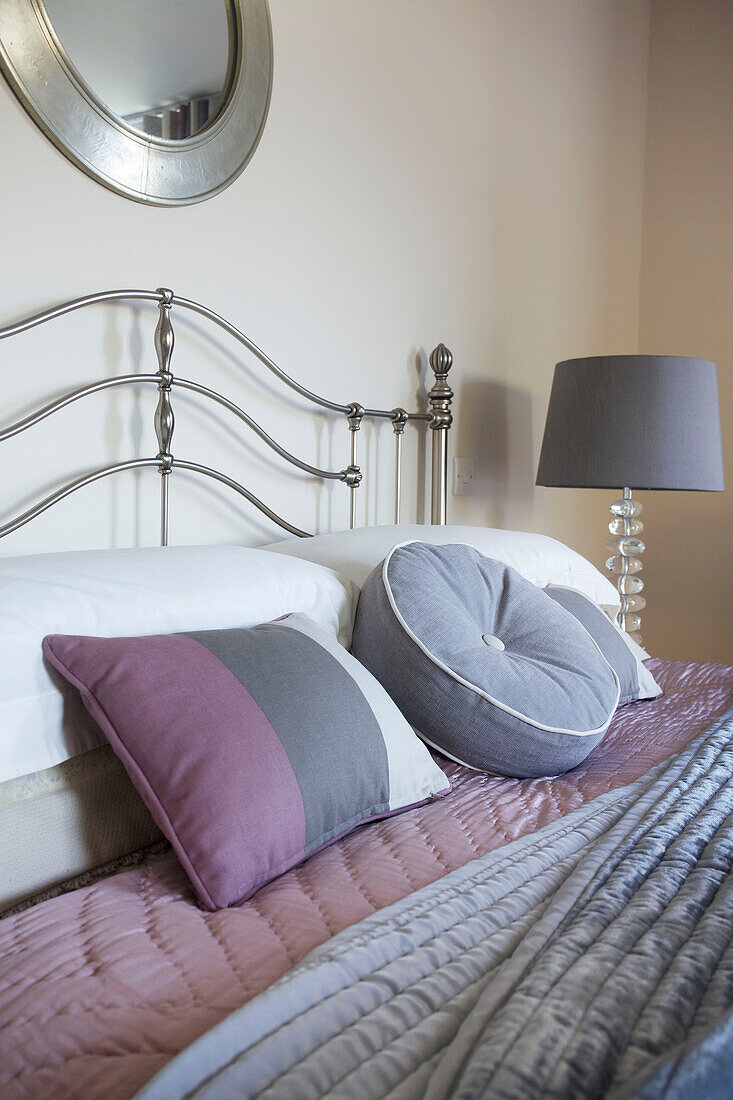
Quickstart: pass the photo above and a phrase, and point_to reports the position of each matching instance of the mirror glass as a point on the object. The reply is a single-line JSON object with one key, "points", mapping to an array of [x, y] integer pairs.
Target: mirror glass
{"points": [[163, 66]]}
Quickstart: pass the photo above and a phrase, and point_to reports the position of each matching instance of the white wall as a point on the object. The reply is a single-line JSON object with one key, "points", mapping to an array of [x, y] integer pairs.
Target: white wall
{"points": [[468, 172], [687, 306]]}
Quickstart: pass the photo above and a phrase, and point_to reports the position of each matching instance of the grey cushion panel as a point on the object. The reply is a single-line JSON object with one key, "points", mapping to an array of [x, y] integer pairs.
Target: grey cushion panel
{"points": [[537, 707], [636, 681]]}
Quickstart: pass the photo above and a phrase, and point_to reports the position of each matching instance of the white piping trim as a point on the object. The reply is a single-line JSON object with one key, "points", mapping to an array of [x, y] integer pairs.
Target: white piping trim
{"points": [[472, 767], [474, 687], [444, 752]]}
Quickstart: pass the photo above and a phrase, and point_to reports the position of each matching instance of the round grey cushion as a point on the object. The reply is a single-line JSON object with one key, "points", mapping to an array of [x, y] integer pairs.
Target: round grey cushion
{"points": [[489, 669]]}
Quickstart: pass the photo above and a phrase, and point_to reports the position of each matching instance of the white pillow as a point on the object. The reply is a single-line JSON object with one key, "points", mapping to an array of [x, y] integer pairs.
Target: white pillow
{"points": [[113, 593], [539, 558]]}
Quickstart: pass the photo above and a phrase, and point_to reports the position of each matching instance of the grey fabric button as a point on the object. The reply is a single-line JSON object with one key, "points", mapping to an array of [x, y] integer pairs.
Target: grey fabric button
{"points": [[493, 641]]}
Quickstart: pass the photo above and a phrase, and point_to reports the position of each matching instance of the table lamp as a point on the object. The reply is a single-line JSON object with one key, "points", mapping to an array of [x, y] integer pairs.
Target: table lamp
{"points": [[647, 421]]}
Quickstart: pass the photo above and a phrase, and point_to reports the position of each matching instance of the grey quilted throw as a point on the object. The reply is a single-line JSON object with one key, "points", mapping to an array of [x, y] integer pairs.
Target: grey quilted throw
{"points": [[592, 958]]}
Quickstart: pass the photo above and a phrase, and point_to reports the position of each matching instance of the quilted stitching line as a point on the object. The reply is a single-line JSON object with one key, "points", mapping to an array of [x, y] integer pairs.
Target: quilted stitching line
{"points": [[148, 902], [270, 922], [350, 870], [69, 1058], [23, 942], [302, 879], [431, 843], [499, 827], [466, 832], [394, 851], [96, 1010], [229, 956], [86, 934]]}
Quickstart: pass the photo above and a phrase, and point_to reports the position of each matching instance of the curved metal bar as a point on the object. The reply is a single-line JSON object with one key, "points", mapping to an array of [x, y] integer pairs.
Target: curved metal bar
{"points": [[334, 406], [139, 464], [204, 311], [71, 487], [69, 398], [207, 471], [79, 303], [186, 384]]}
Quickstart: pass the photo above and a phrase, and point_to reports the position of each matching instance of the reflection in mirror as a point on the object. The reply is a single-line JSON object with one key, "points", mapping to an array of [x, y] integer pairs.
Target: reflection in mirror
{"points": [[163, 66]]}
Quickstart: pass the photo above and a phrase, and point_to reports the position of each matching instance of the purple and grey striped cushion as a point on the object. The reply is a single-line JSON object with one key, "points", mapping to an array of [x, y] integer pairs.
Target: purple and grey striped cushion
{"points": [[252, 748]]}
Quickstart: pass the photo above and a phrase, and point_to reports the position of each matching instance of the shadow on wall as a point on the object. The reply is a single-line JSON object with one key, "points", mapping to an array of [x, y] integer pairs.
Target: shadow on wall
{"points": [[122, 355], [495, 427]]}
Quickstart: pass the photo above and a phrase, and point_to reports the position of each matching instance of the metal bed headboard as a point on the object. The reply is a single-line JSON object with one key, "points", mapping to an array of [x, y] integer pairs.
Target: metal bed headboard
{"points": [[439, 418]]}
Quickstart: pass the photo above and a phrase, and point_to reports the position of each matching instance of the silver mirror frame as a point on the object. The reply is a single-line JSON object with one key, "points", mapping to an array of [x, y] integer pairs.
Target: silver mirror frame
{"points": [[138, 166]]}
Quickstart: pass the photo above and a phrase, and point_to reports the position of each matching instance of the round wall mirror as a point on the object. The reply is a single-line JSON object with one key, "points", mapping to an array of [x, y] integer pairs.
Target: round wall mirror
{"points": [[163, 101]]}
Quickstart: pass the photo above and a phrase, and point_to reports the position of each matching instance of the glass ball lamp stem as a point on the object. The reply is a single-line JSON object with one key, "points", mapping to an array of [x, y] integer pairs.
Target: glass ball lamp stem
{"points": [[625, 561]]}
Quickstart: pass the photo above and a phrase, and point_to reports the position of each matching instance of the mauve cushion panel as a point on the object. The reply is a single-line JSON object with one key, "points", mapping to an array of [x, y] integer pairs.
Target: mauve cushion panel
{"points": [[182, 721]]}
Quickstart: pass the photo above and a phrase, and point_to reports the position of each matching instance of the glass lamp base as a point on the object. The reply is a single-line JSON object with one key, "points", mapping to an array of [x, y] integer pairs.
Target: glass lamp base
{"points": [[625, 562]]}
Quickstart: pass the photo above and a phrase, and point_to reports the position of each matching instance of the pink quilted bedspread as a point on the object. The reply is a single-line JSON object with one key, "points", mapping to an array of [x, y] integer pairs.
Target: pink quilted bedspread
{"points": [[101, 987]]}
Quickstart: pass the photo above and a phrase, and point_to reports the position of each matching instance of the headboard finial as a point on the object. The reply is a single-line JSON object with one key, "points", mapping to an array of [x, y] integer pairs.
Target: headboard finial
{"points": [[441, 360], [441, 418]]}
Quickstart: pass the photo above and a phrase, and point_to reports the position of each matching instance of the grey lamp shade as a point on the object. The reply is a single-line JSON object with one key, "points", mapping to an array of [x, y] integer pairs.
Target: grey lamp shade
{"points": [[643, 421]]}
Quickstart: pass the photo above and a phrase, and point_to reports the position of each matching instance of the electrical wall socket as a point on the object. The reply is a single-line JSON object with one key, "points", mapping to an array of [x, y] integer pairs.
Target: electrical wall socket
{"points": [[462, 476]]}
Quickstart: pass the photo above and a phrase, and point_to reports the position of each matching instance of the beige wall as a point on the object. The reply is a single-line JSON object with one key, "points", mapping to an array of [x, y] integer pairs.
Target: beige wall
{"points": [[687, 309], [467, 172], [472, 172]]}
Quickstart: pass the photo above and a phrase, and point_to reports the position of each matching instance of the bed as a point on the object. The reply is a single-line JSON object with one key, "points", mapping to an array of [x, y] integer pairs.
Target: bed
{"points": [[514, 937]]}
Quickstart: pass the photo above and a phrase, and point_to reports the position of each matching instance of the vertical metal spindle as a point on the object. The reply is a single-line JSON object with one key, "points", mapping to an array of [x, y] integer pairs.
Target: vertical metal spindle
{"points": [[164, 419], [441, 418], [353, 473], [399, 419]]}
